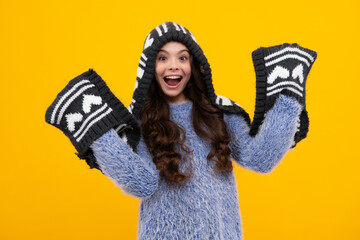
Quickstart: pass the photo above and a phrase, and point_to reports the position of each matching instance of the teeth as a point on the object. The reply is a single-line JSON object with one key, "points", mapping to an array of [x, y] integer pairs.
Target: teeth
{"points": [[173, 77]]}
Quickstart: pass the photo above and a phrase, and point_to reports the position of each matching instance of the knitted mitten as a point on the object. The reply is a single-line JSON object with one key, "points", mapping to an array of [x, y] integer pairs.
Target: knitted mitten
{"points": [[85, 109], [281, 69]]}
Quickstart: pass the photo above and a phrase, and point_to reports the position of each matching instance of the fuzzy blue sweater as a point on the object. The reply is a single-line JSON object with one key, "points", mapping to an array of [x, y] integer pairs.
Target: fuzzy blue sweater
{"points": [[207, 206]]}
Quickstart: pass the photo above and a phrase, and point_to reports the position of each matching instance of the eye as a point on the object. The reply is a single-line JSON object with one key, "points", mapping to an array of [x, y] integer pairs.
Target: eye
{"points": [[162, 58], [183, 58]]}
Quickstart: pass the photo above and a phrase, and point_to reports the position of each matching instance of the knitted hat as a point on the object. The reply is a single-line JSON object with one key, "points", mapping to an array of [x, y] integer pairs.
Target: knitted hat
{"points": [[166, 32]]}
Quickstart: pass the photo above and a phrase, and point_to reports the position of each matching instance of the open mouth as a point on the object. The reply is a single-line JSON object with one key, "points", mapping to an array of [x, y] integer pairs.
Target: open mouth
{"points": [[172, 81]]}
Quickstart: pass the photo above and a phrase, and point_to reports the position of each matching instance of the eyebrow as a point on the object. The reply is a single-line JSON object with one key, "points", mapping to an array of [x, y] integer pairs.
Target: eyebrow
{"points": [[184, 50]]}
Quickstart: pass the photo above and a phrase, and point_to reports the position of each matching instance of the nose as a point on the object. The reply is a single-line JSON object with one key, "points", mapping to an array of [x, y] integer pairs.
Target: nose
{"points": [[173, 65], [173, 68]]}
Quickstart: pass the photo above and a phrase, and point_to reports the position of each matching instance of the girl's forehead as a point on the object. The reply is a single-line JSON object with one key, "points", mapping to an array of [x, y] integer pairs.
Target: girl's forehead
{"points": [[173, 45]]}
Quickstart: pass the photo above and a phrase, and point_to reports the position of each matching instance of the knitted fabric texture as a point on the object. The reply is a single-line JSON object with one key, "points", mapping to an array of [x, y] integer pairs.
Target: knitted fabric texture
{"points": [[85, 109], [281, 69], [206, 207]]}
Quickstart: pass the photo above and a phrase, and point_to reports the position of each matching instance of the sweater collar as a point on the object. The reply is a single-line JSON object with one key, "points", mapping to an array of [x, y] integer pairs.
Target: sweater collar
{"points": [[181, 109]]}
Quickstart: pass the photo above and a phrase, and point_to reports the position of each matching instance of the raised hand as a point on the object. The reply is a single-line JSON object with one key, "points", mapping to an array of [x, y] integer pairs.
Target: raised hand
{"points": [[281, 69], [84, 110]]}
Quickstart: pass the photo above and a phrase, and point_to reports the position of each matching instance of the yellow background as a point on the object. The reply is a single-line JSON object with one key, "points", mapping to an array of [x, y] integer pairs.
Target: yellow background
{"points": [[47, 193]]}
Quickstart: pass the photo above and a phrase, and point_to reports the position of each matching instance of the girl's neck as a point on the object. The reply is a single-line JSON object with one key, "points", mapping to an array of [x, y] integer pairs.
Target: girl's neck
{"points": [[178, 99], [179, 102]]}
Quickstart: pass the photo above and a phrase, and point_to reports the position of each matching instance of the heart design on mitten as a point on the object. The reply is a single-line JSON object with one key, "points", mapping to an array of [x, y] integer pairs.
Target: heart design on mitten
{"points": [[298, 72], [278, 71], [89, 100], [71, 119]]}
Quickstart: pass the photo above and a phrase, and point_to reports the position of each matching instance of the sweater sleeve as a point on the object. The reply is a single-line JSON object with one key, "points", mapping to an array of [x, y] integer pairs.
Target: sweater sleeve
{"points": [[134, 173], [263, 152]]}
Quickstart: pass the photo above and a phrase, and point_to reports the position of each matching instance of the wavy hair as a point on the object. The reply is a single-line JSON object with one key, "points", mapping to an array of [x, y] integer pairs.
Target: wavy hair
{"points": [[164, 138]]}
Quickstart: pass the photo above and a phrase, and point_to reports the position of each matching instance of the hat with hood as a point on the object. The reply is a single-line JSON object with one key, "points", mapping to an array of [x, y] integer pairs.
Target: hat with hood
{"points": [[166, 32]]}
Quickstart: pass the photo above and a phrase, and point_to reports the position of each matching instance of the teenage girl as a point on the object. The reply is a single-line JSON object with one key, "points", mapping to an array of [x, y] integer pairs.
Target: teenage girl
{"points": [[174, 145]]}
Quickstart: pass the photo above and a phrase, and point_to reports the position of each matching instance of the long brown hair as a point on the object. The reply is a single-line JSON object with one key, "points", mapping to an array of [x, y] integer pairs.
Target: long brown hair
{"points": [[162, 136]]}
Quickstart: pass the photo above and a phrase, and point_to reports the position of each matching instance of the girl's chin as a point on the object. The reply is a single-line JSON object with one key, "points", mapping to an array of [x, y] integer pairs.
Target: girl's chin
{"points": [[172, 93]]}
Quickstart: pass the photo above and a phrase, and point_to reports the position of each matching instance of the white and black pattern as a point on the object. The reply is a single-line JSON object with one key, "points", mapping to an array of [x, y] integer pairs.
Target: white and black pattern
{"points": [[71, 119], [83, 117], [148, 41], [281, 69], [67, 98], [89, 100], [289, 52], [291, 84], [288, 68], [85, 109], [91, 120], [224, 101], [71, 100]]}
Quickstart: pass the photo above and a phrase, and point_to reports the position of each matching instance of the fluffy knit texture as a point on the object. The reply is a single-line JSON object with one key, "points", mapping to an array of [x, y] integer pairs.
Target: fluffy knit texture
{"points": [[207, 206]]}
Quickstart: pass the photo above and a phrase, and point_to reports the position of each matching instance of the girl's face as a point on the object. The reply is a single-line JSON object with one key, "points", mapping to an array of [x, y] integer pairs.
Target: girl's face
{"points": [[173, 70]]}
